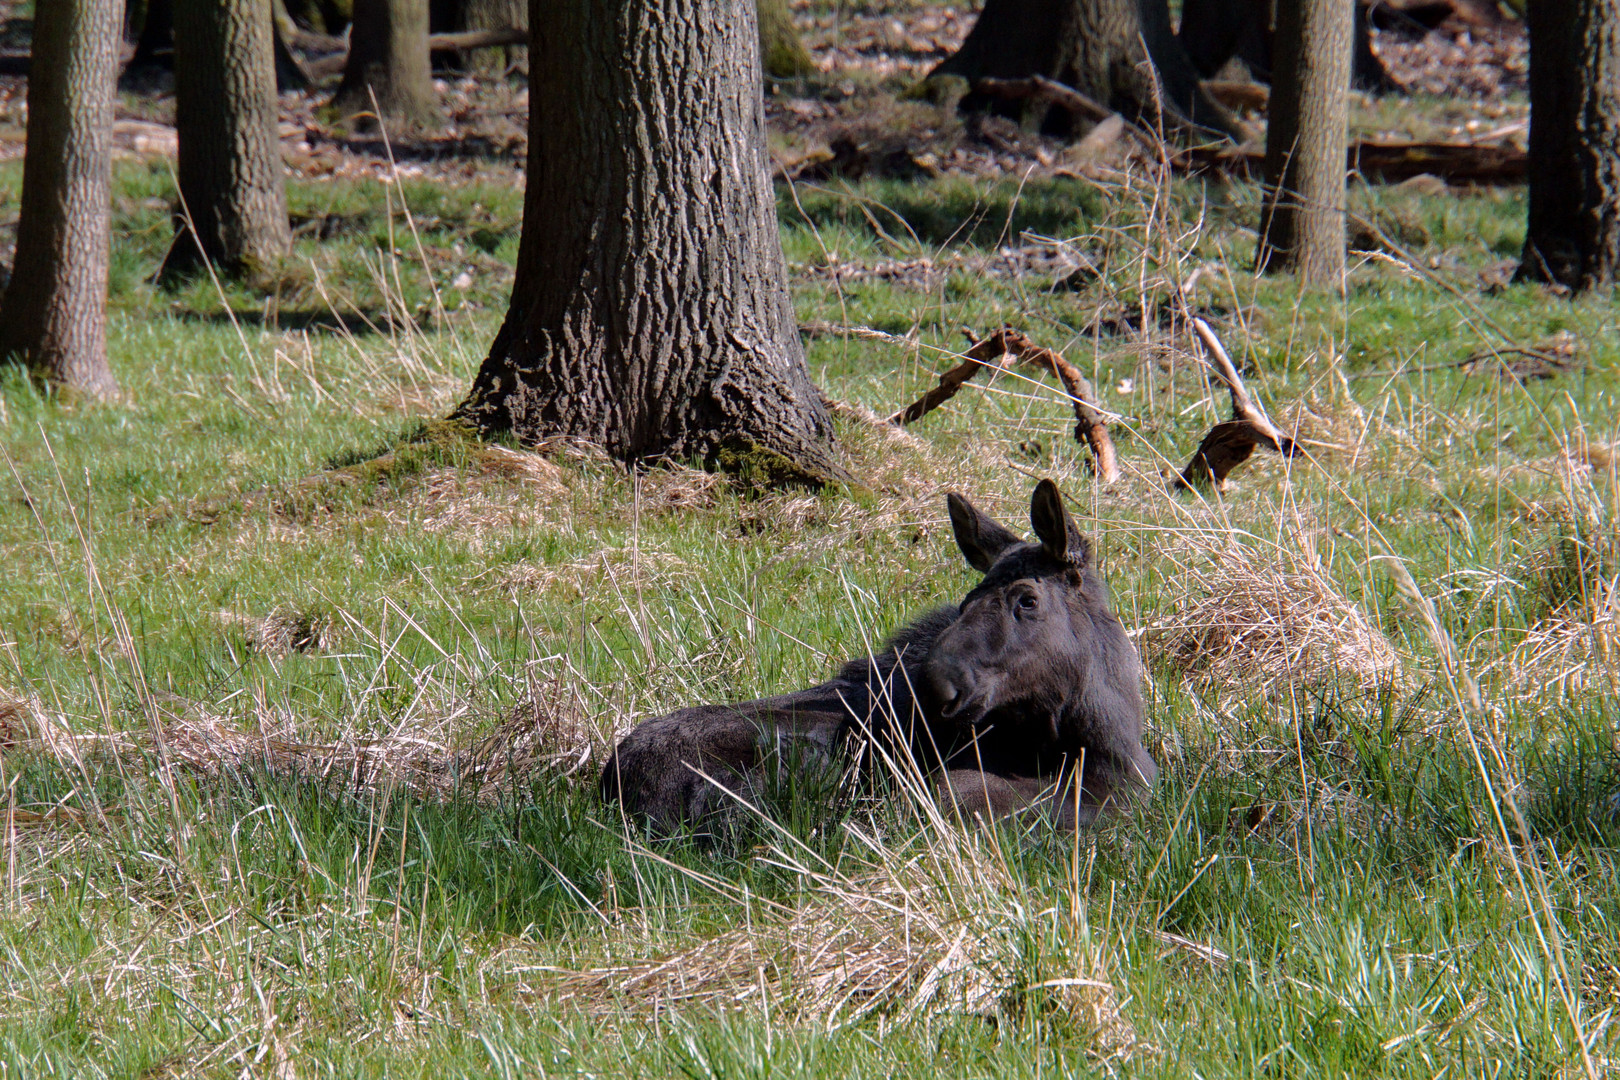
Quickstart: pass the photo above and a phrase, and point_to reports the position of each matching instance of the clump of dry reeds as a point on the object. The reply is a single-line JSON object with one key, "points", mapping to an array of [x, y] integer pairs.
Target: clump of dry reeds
{"points": [[1574, 649], [1245, 623]]}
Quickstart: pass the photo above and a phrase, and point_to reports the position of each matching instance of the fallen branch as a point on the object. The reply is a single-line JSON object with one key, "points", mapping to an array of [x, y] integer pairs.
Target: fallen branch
{"points": [[1000, 350], [1090, 426], [477, 39], [980, 356], [1380, 161], [1230, 442]]}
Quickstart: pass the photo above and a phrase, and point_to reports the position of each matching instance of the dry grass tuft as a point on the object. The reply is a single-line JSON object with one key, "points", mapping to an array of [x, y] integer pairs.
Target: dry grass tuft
{"points": [[1246, 624], [548, 731], [946, 932]]}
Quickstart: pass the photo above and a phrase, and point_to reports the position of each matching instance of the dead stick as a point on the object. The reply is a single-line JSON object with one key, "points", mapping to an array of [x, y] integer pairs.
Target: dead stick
{"points": [[978, 357], [1090, 425], [1230, 442]]}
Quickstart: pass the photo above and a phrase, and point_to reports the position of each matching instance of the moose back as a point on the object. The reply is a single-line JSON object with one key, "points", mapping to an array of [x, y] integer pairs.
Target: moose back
{"points": [[1007, 699]]}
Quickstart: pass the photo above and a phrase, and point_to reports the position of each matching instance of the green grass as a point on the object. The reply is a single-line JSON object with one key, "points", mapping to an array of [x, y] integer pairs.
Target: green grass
{"points": [[1328, 859]]}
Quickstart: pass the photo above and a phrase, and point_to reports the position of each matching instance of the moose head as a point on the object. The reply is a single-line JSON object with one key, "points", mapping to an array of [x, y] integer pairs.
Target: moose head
{"points": [[1035, 646]]}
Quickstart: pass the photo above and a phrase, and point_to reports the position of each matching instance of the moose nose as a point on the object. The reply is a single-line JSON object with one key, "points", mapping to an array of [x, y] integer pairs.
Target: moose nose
{"points": [[954, 686]]}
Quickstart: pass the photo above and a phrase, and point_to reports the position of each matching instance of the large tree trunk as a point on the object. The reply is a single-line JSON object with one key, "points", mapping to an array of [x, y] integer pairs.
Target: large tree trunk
{"points": [[1123, 53], [388, 59], [1307, 128], [54, 312], [650, 313], [1573, 234], [781, 50], [232, 187]]}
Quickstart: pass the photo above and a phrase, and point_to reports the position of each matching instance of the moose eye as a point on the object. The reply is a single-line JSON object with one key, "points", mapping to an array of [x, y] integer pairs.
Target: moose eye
{"points": [[1025, 604]]}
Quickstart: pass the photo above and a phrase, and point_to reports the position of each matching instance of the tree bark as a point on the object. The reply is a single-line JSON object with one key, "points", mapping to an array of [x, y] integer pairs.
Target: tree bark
{"points": [[1573, 233], [650, 312], [232, 185], [1307, 130], [497, 15], [1120, 52], [53, 314], [388, 58], [781, 50]]}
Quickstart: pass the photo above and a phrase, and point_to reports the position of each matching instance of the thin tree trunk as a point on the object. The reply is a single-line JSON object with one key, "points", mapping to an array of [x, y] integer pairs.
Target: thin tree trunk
{"points": [[388, 58], [497, 15], [1302, 219], [54, 312], [650, 312], [1120, 52], [1573, 233], [232, 186], [781, 50]]}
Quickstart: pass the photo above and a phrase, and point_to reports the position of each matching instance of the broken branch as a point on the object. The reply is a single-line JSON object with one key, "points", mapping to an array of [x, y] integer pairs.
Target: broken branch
{"points": [[1008, 345], [979, 356], [1230, 442], [1090, 426]]}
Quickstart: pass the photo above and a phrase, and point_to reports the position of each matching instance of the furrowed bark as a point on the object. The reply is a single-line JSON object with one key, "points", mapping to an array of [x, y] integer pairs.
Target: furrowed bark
{"points": [[1302, 224], [232, 178], [650, 312], [1573, 233], [53, 314], [388, 61]]}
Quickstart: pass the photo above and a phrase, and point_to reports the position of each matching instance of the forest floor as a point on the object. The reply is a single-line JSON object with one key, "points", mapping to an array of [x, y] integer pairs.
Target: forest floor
{"points": [[298, 743]]}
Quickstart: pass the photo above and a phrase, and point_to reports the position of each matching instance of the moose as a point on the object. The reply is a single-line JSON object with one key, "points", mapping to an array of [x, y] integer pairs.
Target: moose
{"points": [[1023, 699]]}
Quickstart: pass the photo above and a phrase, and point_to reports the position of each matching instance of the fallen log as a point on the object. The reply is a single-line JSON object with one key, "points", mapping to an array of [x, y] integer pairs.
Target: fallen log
{"points": [[1004, 348], [1384, 161], [1230, 442]]}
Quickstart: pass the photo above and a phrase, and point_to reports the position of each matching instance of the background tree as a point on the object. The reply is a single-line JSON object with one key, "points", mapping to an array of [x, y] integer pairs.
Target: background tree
{"points": [[1307, 128], [151, 26], [1121, 53], [53, 313], [650, 311], [1573, 232], [497, 15], [1215, 32], [388, 58], [232, 178]]}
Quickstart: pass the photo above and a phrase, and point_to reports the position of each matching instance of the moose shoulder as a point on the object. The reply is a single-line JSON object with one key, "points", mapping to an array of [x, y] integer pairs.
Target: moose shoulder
{"points": [[1009, 699]]}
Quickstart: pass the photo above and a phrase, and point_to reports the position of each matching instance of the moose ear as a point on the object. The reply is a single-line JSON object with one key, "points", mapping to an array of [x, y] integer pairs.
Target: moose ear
{"points": [[1055, 528], [981, 538]]}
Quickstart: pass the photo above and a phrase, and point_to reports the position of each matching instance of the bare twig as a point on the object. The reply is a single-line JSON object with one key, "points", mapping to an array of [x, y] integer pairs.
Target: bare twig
{"points": [[1230, 442]]}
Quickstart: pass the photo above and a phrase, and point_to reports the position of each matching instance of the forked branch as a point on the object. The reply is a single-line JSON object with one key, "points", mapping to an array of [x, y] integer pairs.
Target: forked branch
{"points": [[1230, 442]]}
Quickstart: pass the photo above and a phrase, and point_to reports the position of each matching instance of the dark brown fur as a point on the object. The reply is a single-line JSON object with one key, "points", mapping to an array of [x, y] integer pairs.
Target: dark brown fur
{"points": [[1006, 698]]}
